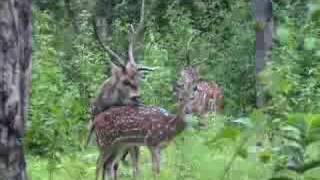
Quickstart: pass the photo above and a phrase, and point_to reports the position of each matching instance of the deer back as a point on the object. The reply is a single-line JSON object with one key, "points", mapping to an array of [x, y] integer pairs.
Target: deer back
{"points": [[208, 98], [137, 125]]}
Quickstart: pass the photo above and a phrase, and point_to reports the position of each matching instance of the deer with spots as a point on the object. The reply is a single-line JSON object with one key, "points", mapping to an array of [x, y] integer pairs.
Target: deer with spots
{"points": [[121, 128], [208, 96], [122, 88]]}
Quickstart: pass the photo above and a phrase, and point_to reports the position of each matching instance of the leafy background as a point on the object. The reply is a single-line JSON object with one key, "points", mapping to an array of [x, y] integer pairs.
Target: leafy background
{"points": [[277, 141]]}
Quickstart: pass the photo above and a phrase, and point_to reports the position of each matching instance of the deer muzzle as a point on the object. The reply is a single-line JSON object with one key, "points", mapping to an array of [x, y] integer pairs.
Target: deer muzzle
{"points": [[135, 100]]}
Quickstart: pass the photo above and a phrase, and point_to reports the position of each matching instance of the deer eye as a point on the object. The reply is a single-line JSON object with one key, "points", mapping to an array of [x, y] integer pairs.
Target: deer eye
{"points": [[179, 85], [195, 88], [126, 83]]}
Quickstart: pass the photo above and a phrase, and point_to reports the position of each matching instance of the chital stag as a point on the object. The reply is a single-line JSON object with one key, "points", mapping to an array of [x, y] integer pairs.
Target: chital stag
{"points": [[120, 128], [122, 88]]}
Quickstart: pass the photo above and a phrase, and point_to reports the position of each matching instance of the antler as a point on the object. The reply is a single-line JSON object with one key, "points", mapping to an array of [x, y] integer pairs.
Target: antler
{"points": [[131, 41], [188, 49], [133, 34], [199, 62], [132, 38], [189, 61], [145, 68], [117, 60]]}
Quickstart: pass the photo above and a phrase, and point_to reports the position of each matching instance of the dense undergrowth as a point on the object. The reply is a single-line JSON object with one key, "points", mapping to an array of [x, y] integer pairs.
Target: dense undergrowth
{"points": [[206, 154], [225, 151], [278, 141]]}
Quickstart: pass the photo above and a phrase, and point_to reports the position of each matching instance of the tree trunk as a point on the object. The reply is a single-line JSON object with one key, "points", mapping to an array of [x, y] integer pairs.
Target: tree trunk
{"points": [[71, 16], [15, 76], [264, 29]]}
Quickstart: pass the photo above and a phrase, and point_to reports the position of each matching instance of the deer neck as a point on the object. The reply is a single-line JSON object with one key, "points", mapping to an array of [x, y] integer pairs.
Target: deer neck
{"points": [[114, 94], [180, 118], [108, 97]]}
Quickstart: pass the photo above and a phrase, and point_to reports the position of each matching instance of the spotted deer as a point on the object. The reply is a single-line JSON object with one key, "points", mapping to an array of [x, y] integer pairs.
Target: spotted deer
{"points": [[120, 128], [122, 88], [207, 98]]}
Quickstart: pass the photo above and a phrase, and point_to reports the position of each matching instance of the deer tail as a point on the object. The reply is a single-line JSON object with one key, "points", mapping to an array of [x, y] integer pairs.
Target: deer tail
{"points": [[91, 129]]}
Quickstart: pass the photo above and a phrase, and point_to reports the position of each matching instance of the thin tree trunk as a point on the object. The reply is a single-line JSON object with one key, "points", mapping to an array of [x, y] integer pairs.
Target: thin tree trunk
{"points": [[15, 74], [71, 16], [264, 29], [103, 17]]}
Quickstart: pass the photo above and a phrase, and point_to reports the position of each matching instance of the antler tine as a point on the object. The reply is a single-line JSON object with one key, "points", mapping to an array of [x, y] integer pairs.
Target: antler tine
{"points": [[199, 62], [134, 33], [145, 68], [188, 49], [141, 22], [130, 48], [118, 60]]}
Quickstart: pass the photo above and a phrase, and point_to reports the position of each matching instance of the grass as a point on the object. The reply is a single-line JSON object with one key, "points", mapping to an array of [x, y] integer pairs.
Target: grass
{"points": [[198, 164], [189, 157]]}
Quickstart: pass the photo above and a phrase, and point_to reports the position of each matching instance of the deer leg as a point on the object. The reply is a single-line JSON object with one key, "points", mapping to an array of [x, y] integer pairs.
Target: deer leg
{"points": [[105, 172], [123, 159], [106, 165], [155, 153], [110, 168], [115, 170], [212, 105], [108, 173], [100, 167], [112, 161], [99, 164], [134, 153]]}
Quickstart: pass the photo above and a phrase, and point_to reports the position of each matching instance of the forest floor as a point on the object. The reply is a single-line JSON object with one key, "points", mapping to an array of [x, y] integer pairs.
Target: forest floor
{"points": [[192, 156]]}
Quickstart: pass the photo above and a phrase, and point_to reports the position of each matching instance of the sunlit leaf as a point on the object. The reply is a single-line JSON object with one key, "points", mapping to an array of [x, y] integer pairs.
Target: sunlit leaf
{"points": [[283, 34], [310, 43]]}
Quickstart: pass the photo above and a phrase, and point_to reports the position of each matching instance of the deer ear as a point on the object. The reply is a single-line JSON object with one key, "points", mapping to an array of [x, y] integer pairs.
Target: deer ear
{"points": [[130, 68], [117, 70], [130, 65]]}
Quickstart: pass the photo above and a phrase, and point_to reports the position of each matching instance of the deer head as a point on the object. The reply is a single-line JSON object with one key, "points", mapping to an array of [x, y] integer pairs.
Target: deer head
{"points": [[123, 86], [188, 77]]}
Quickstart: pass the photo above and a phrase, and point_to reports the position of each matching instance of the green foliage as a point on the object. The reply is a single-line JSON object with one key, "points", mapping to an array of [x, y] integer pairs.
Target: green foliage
{"points": [[48, 84], [278, 141], [72, 166], [70, 67], [292, 82], [220, 49], [61, 89], [191, 156], [299, 144]]}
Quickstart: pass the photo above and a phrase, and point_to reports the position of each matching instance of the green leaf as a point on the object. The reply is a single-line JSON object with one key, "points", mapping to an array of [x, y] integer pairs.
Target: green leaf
{"points": [[265, 156], [310, 43], [283, 34], [281, 178], [312, 174], [243, 121]]}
